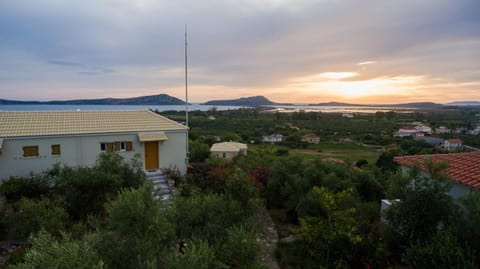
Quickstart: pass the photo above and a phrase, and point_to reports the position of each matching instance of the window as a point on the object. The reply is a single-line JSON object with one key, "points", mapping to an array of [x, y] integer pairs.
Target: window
{"points": [[116, 146], [30, 151], [55, 150], [123, 146], [129, 146], [108, 147]]}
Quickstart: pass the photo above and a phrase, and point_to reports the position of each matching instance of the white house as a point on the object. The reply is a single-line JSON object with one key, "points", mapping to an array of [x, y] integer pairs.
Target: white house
{"points": [[34, 141], [424, 129], [274, 138], [442, 130], [228, 149], [452, 144]]}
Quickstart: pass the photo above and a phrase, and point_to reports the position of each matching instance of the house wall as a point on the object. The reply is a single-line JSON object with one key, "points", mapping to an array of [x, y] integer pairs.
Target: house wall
{"points": [[83, 151], [228, 154], [458, 190], [173, 151]]}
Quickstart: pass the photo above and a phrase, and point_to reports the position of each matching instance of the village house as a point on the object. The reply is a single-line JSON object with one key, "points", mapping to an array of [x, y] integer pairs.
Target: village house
{"points": [[228, 150], [413, 131], [463, 169], [452, 144], [442, 130], [31, 142], [311, 138], [274, 138]]}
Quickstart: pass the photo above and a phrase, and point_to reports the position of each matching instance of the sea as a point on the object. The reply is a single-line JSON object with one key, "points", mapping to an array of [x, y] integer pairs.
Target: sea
{"points": [[193, 107]]}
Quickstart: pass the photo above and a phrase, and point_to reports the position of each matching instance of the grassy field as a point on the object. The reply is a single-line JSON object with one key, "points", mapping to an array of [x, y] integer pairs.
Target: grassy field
{"points": [[349, 153]]}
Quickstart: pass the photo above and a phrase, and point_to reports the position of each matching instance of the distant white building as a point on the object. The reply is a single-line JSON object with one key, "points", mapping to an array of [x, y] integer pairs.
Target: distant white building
{"points": [[418, 130], [35, 141], [424, 129], [442, 130], [452, 144], [348, 115], [274, 138], [228, 150]]}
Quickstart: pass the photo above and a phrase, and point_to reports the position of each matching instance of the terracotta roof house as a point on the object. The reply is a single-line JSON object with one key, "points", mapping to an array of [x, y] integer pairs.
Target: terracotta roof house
{"points": [[311, 138], [463, 168], [228, 150], [32, 141]]}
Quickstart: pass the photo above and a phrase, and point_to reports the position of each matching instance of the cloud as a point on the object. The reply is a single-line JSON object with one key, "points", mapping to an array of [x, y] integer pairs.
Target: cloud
{"points": [[366, 63], [112, 47]]}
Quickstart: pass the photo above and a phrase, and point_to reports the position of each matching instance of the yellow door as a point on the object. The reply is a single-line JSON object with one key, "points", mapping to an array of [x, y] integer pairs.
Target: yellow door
{"points": [[151, 155]]}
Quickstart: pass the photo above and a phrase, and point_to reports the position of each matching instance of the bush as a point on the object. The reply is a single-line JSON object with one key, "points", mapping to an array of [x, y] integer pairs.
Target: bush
{"points": [[46, 252], [28, 216], [197, 255], [31, 187], [240, 249]]}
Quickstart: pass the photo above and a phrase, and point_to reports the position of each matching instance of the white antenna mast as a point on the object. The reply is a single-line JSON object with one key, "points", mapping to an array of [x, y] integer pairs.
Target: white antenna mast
{"points": [[186, 94]]}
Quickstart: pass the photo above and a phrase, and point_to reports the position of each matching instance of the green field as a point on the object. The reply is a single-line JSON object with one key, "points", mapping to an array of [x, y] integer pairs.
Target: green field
{"points": [[349, 153]]}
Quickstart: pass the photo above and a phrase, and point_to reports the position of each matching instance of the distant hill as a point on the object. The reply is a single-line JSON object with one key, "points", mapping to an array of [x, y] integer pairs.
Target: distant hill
{"points": [[465, 103], [246, 101], [160, 99], [405, 105]]}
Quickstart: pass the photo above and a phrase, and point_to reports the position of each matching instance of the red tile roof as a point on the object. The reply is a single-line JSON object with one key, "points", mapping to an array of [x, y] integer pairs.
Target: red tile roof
{"points": [[457, 141], [462, 167]]}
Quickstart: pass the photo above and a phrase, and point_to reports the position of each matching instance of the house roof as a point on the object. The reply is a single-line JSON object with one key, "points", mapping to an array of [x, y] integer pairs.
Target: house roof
{"points": [[454, 141], [310, 136], [55, 123], [462, 167], [228, 147], [155, 136]]}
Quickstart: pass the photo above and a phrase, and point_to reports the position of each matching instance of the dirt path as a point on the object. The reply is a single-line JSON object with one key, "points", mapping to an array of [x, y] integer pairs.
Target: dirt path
{"points": [[268, 239]]}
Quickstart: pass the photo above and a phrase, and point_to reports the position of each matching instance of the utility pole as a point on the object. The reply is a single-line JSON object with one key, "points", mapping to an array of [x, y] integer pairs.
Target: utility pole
{"points": [[186, 95]]}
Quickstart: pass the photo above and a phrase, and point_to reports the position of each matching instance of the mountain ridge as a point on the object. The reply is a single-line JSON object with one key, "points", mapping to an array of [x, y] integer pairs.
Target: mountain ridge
{"points": [[159, 99]]}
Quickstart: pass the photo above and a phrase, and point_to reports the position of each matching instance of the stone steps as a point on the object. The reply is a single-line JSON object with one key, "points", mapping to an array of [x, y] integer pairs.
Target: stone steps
{"points": [[160, 186]]}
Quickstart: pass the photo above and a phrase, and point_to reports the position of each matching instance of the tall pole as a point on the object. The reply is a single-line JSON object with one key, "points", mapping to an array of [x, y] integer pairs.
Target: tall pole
{"points": [[186, 93]]}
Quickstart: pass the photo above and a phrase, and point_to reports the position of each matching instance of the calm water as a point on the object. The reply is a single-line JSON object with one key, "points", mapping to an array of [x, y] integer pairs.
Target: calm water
{"points": [[110, 107], [282, 109]]}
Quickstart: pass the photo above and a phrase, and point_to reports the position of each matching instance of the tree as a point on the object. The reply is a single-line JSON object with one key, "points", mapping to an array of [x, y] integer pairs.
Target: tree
{"points": [[329, 237], [240, 249], [425, 205], [442, 252], [385, 162], [197, 255], [199, 151], [140, 228]]}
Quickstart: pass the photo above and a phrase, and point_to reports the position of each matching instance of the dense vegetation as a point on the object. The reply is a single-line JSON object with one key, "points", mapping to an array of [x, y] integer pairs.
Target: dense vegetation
{"points": [[106, 217], [326, 210]]}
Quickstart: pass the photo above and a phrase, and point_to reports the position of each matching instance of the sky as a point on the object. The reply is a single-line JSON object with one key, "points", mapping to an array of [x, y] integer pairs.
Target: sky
{"points": [[302, 51]]}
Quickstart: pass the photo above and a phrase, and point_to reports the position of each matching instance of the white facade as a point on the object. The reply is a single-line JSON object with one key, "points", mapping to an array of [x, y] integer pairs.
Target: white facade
{"points": [[228, 150], [452, 144], [83, 151], [275, 138], [31, 142]]}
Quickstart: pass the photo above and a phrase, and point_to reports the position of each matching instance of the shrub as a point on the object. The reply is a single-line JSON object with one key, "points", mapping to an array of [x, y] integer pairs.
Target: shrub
{"points": [[46, 252], [29, 216]]}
